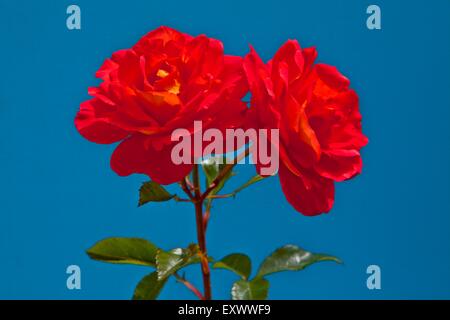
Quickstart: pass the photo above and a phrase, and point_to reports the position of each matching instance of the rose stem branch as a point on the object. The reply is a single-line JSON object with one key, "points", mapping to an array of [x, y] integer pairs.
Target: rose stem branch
{"points": [[222, 196], [185, 188], [227, 169], [216, 181], [189, 183], [206, 216], [178, 199], [190, 286], [198, 202]]}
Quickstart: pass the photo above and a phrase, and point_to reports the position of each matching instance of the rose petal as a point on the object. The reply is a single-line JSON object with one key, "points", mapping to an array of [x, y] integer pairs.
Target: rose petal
{"points": [[95, 127], [137, 155], [161, 36], [339, 165], [316, 199]]}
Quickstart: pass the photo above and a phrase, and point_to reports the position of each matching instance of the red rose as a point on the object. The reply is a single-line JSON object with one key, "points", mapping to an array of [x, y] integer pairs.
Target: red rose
{"points": [[164, 82], [319, 122]]}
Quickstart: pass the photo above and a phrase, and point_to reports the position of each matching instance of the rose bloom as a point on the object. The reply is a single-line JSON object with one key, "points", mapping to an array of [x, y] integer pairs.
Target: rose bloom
{"points": [[165, 81], [319, 122]]}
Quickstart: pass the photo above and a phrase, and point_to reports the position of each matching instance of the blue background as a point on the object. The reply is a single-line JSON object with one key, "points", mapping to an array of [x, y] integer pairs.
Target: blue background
{"points": [[58, 195]]}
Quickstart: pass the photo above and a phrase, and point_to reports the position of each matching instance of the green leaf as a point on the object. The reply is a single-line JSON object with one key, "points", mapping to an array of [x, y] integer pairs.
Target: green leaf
{"points": [[149, 287], [169, 262], [237, 263], [212, 168], [256, 289], [151, 191], [291, 258], [125, 251]]}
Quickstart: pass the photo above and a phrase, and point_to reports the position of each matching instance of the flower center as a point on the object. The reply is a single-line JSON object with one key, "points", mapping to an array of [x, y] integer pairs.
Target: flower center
{"points": [[162, 73], [172, 86]]}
